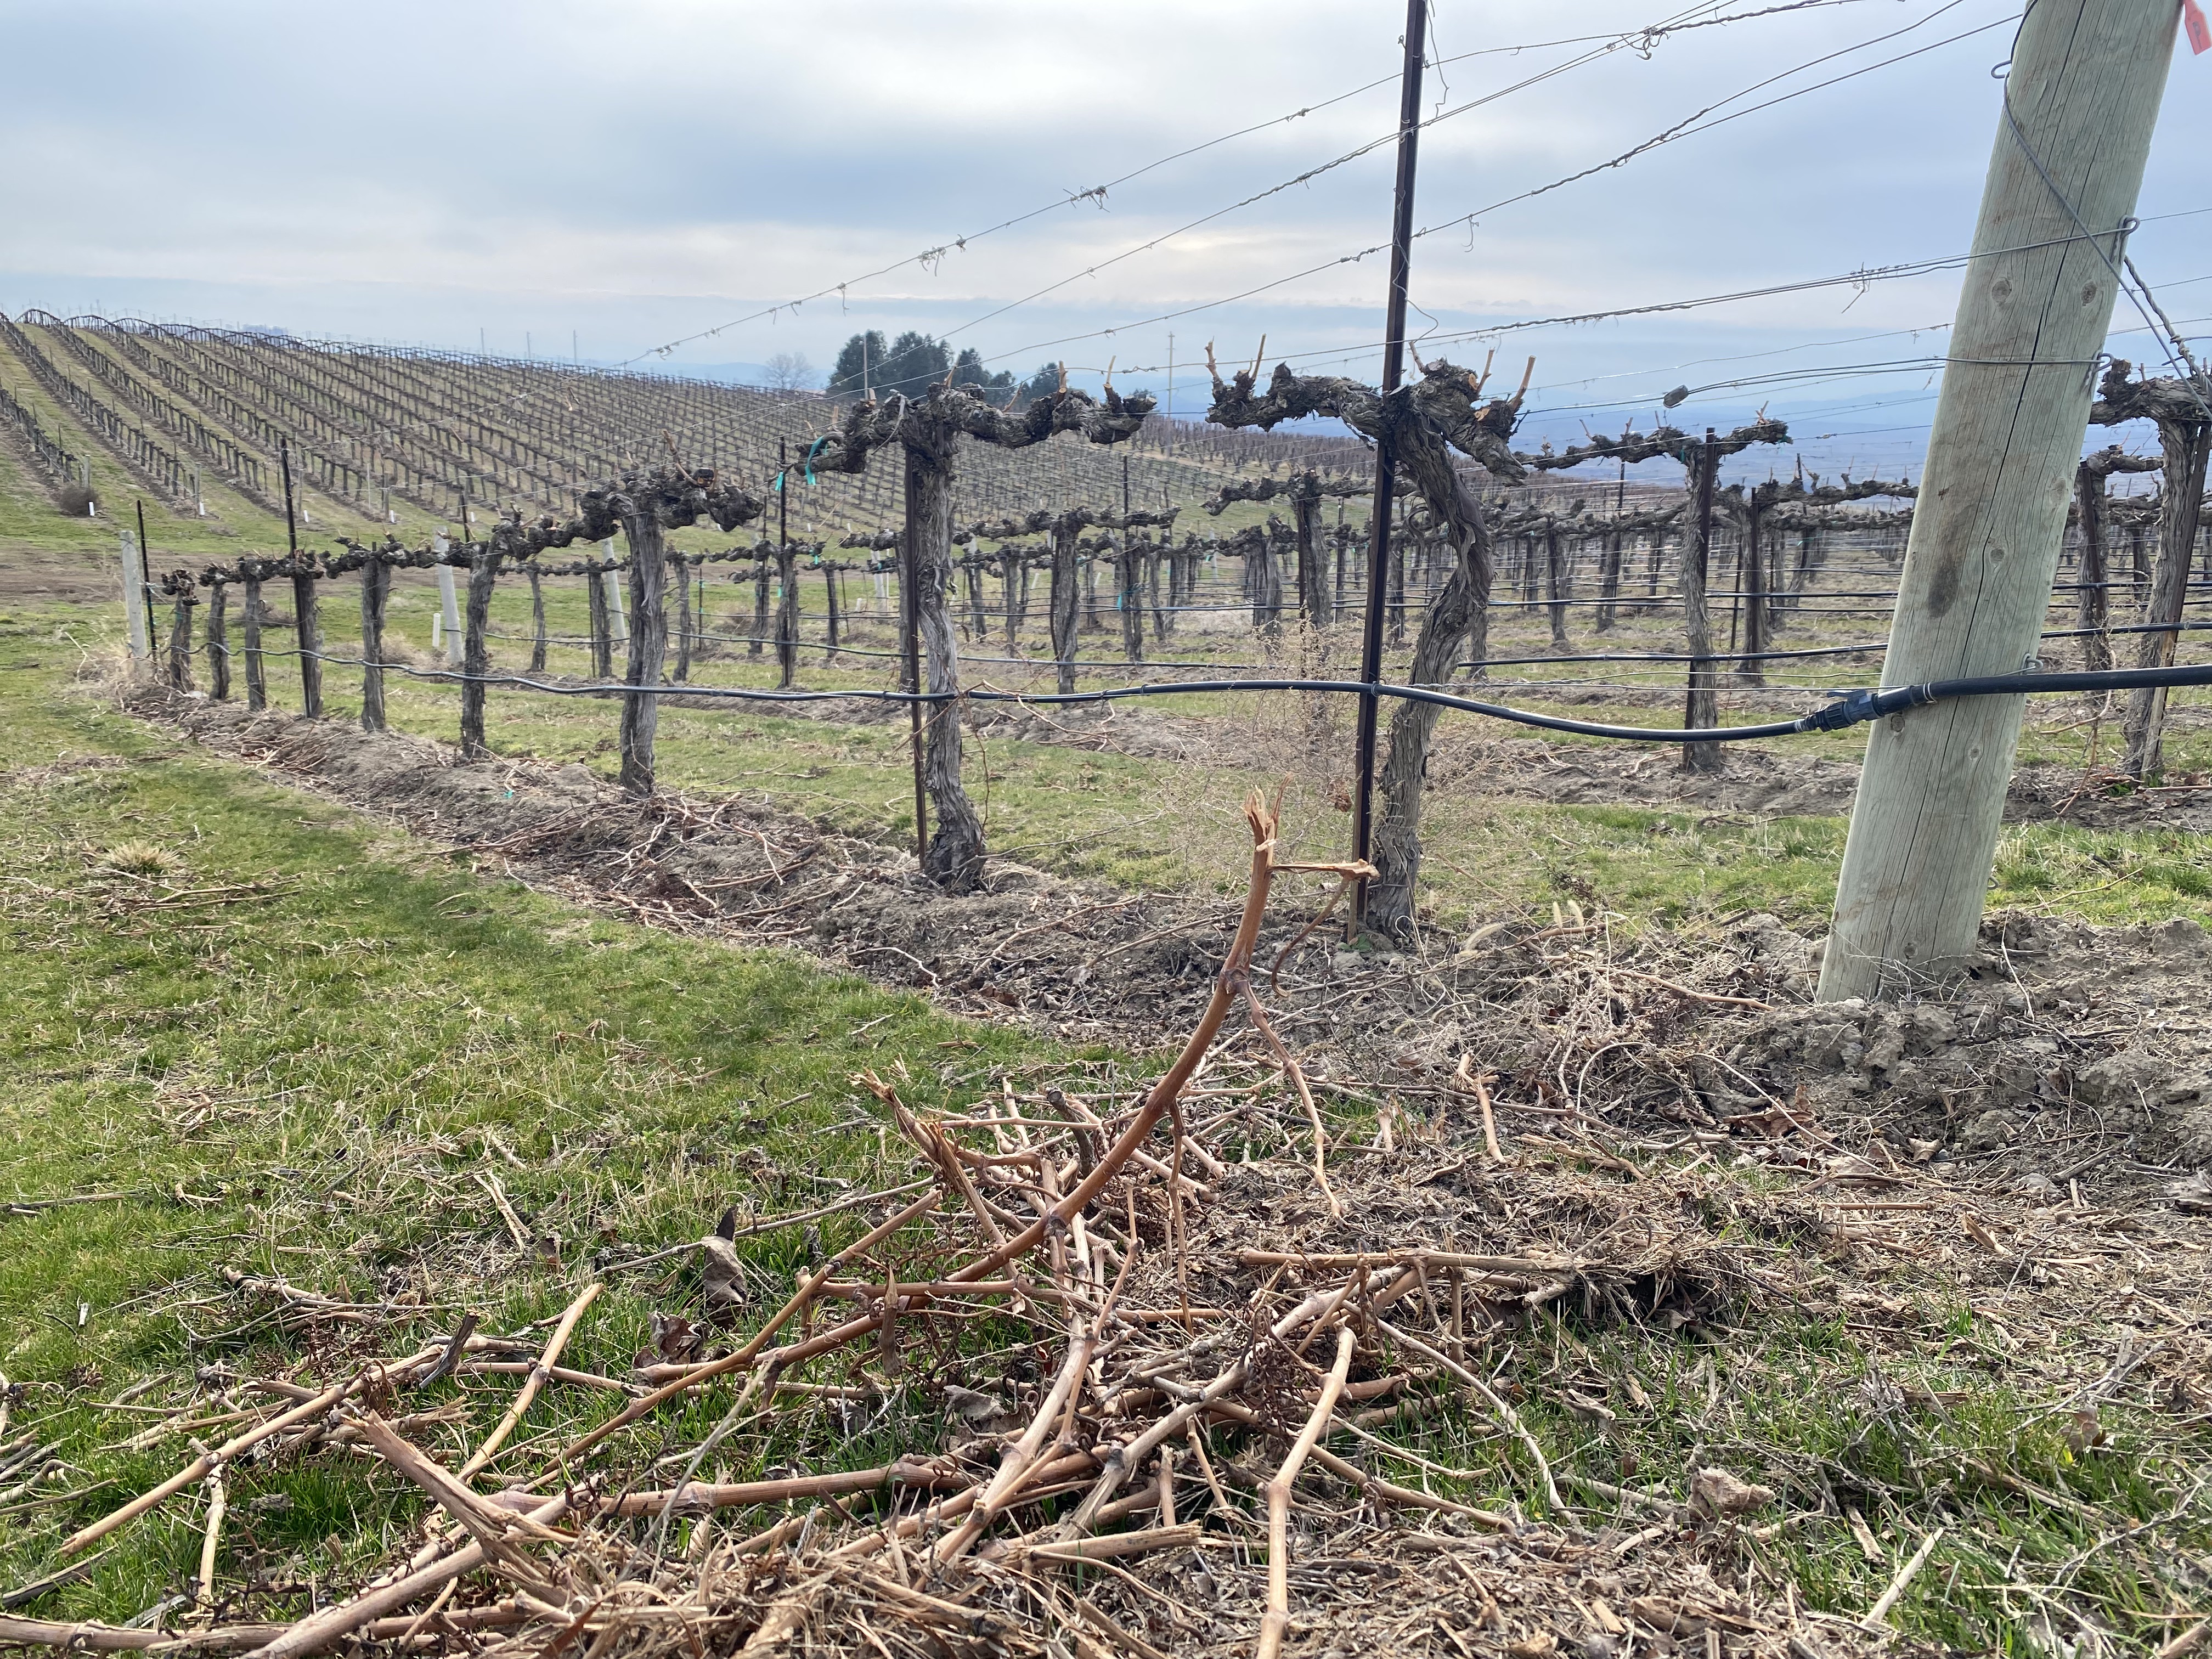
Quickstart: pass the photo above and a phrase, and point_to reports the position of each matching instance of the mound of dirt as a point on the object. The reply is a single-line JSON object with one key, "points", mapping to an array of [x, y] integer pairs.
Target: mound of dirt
{"points": [[1758, 783]]}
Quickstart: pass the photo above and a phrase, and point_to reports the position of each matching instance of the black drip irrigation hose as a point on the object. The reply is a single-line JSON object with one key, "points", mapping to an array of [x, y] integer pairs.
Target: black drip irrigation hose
{"points": [[1563, 658], [1848, 708]]}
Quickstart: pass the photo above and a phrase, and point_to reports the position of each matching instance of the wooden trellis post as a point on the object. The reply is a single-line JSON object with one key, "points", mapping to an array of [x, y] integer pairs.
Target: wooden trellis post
{"points": [[683, 670], [2081, 98], [137, 630], [595, 608], [449, 611]]}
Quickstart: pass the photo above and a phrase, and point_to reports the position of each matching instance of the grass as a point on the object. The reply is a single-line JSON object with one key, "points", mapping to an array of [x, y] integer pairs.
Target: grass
{"points": [[319, 1080], [1166, 822], [316, 1082], [231, 1066]]}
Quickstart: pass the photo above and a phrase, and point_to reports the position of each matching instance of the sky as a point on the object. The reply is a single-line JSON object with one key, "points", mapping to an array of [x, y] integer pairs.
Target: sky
{"points": [[566, 177]]}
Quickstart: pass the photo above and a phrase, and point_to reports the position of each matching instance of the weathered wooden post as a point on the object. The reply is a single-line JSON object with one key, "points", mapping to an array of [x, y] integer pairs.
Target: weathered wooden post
{"points": [[138, 627], [786, 615], [2081, 98], [449, 606], [682, 573], [595, 608], [618, 619], [760, 606], [1313, 596], [309, 629], [1751, 562]]}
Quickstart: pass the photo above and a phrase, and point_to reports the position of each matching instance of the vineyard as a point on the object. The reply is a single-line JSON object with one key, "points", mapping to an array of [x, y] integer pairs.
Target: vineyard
{"points": [[194, 418], [654, 1019]]}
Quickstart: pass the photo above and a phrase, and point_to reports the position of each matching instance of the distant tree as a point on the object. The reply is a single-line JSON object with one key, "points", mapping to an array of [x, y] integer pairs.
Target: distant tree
{"points": [[1044, 384], [912, 364], [969, 370], [859, 365], [789, 371], [917, 363]]}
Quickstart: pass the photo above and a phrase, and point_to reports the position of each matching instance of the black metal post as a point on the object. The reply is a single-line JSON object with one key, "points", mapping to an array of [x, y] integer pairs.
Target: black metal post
{"points": [[1386, 460], [145, 565], [291, 524]]}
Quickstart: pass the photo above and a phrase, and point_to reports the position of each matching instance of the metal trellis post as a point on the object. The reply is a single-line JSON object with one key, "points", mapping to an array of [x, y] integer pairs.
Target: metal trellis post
{"points": [[1394, 356]]}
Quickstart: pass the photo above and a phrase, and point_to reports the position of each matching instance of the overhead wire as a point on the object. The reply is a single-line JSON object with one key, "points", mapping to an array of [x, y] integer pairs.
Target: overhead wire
{"points": [[1666, 137], [1639, 40], [1647, 36]]}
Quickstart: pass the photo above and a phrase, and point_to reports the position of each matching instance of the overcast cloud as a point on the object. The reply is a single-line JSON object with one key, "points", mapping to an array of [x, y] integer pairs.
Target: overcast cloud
{"points": [[621, 175]]}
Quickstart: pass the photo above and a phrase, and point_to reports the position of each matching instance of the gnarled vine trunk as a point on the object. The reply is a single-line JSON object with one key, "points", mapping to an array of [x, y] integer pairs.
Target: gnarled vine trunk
{"points": [[648, 644], [375, 591], [218, 641], [2181, 494], [257, 669], [476, 649], [1066, 601], [954, 860], [309, 629]]}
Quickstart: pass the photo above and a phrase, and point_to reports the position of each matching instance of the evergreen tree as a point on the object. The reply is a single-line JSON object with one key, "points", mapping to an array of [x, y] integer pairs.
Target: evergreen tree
{"points": [[912, 364], [1045, 383], [969, 370], [917, 363], [860, 363]]}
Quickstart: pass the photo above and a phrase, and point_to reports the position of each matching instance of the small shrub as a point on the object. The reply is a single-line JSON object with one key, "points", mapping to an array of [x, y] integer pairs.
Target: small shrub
{"points": [[78, 501]]}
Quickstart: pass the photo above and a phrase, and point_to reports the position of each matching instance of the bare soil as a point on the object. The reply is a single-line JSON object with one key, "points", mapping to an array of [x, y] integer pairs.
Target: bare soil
{"points": [[43, 574]]}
